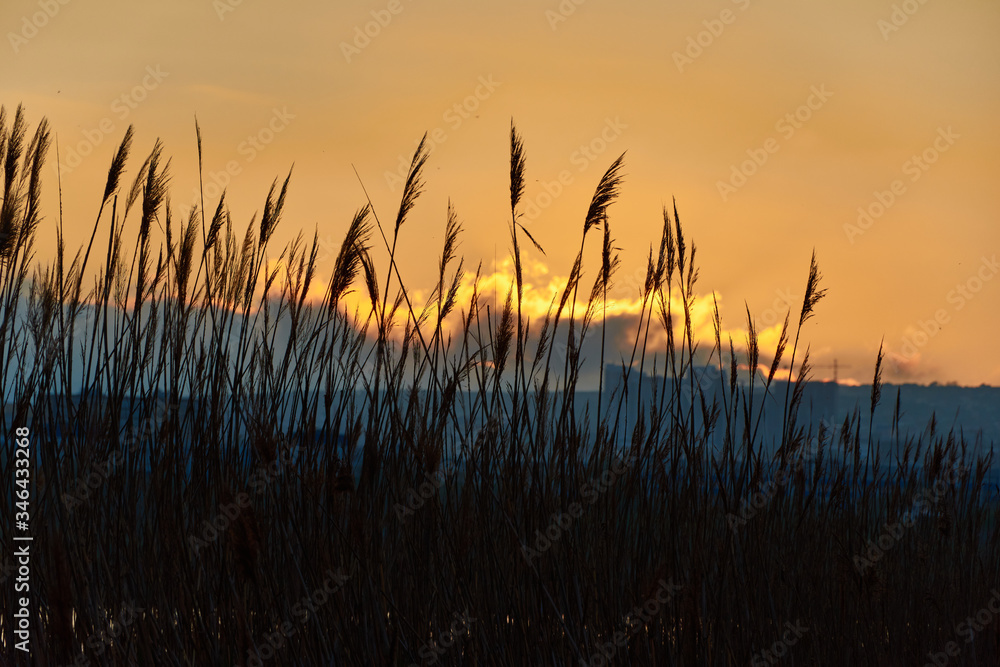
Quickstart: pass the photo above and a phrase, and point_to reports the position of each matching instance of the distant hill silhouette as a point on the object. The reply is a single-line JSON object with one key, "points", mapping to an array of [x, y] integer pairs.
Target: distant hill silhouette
{"points": [[972, 410]]}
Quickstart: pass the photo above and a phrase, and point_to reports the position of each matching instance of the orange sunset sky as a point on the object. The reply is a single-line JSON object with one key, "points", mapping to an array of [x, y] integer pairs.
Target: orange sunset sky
{"points": [[864, 129]]}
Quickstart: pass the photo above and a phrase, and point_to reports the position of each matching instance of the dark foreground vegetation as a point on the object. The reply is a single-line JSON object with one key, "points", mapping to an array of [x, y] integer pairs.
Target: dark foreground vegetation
{"points": [[222, 477]]}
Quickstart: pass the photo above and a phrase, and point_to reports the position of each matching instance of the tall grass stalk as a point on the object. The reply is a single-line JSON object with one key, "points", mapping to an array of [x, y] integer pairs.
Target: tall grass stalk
{"points": [[238, 460]]}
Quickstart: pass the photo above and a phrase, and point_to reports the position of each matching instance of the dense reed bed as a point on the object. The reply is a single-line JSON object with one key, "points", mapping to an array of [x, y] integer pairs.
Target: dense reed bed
{"points": [[228, 473]]}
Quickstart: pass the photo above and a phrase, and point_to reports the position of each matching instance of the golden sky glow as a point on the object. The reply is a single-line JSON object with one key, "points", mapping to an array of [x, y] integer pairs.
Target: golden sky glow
{"points": [[772, 123]]}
